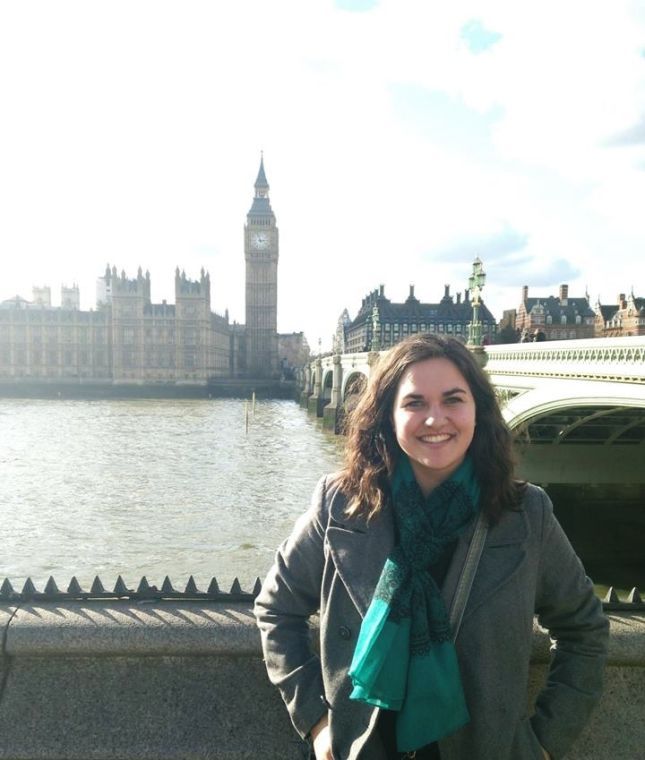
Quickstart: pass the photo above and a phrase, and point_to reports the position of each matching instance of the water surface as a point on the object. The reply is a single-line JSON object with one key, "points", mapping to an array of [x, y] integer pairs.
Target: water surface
{"points": [[153, 487]]}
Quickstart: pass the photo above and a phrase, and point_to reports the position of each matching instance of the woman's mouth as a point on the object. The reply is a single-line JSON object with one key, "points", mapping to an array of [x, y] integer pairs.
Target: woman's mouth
{"points": [[438, 438]]}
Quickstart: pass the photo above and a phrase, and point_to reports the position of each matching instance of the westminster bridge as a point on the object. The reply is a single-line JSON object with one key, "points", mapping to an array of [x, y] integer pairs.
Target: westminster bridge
{"points": [[577, 407]]}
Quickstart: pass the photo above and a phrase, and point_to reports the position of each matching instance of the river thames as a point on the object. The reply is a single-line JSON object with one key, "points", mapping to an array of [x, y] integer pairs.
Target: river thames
{"points": [[153, 487]]}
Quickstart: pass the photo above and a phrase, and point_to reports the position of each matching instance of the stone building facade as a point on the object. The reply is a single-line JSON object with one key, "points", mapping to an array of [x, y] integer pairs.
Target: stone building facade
{"points": [[128, 339], [53, 344], [626, 317], [555, 317], [380, 323]]}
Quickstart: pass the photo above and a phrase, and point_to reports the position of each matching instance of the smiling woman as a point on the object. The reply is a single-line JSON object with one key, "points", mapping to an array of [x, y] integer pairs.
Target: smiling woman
{"points": [[427, 562]]}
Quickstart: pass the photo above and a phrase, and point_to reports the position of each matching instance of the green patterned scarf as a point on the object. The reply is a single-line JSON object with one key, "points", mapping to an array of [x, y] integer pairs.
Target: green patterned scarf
{"points": [[404, 658]]}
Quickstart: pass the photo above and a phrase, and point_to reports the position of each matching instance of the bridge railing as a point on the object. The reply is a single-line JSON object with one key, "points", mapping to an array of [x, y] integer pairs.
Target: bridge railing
{"points": [[608, 359]]}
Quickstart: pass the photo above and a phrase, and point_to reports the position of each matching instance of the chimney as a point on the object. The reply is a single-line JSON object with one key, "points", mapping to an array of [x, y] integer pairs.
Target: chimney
{"points": [[411, 291], [465, 295], [446, 291], [381, 290], [458, 297], [622, 303], [525, 293], [564, 294]]}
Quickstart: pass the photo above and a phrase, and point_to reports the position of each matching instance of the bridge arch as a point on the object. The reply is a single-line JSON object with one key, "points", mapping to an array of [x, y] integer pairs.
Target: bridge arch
{"points": [[327, 385], [353, 385], [600, 443]]}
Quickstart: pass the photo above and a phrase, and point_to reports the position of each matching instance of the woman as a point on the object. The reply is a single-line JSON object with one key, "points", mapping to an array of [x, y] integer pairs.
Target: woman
{"points": [[424, 645]]}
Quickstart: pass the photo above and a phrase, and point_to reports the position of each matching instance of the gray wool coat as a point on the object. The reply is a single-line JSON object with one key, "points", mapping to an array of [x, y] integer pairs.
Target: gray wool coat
{"points": [[331, 563]]}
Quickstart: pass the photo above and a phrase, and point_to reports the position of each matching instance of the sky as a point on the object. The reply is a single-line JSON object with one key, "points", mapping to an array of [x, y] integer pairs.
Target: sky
{"points": [[401, 139]]}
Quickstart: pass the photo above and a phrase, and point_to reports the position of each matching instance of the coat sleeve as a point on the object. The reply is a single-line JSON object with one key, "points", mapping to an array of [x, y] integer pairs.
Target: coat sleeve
{"points": [[568, 608], [289, 596]]}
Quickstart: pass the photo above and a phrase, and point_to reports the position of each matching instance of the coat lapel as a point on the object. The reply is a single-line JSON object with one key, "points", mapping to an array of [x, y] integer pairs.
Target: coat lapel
{"points": [[502, 556], [359, 550]]}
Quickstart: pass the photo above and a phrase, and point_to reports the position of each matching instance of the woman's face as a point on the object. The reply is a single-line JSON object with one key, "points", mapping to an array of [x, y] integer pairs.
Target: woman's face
{"points": [[434, 419]]}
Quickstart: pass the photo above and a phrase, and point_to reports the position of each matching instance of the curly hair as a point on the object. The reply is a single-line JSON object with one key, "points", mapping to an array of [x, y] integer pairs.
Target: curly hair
{"points": [[372, 450]]}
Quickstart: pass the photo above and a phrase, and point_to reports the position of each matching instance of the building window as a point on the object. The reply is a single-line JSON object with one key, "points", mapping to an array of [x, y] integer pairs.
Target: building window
{"points": [[563, 319], [440, 328]]}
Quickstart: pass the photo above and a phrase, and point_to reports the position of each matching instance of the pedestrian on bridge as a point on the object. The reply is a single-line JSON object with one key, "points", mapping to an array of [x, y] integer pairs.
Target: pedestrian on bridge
{"points": [[427, 561]]}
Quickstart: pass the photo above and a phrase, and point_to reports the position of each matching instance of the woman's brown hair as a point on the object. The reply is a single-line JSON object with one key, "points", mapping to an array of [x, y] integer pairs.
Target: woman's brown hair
{"points": [[371, 450]]}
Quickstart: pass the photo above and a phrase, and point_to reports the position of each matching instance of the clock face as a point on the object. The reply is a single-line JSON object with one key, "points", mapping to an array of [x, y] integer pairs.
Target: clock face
{"points": [[260, 240]]}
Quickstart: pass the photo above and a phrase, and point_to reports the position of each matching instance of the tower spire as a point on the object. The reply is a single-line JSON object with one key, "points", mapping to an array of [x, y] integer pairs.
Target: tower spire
{"points": [[261, 184]]}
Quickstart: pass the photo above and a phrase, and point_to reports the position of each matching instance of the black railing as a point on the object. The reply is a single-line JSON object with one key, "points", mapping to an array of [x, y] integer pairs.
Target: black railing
{"points": [[144, 591]]}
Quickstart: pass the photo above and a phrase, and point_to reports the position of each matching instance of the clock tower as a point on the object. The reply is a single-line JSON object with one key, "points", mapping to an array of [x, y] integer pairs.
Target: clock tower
{"points": [[261, 254]]}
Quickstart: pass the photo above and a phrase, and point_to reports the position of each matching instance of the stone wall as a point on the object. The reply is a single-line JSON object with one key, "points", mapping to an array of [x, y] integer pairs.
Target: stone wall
{"points": [[161, 680]]}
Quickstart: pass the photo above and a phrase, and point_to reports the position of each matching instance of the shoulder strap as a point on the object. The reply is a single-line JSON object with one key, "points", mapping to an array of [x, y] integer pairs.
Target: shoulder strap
{"points": [[468, 574]]}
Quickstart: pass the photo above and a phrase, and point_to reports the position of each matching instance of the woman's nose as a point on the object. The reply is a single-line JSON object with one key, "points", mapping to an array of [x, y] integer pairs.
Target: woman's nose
{"points": [[429, 421]]}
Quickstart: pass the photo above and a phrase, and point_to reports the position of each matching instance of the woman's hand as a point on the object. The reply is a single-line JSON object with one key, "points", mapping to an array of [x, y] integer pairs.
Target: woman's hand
{"points": [[321, 739], [544, 752]]}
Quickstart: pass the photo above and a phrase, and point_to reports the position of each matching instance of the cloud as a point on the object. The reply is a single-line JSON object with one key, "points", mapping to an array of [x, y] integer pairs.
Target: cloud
{"points": [[536, 272], [445, 119], [633, 136], [477, 37], [357, 6], [497, 247]]}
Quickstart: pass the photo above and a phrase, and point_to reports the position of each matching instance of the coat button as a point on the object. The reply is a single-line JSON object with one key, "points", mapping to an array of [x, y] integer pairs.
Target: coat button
{"points": [[344, 632]]}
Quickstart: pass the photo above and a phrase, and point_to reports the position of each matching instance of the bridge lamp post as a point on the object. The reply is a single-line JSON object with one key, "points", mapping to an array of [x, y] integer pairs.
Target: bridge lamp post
{"points": [[475, 284]]}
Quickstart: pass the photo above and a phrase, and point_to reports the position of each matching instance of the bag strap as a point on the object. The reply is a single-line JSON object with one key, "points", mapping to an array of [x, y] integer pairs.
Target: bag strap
{"points": [[468, 574]]}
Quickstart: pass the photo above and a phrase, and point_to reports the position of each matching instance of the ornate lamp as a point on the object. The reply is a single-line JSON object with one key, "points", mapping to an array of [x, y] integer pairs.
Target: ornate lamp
{"points": [[475, 284]]}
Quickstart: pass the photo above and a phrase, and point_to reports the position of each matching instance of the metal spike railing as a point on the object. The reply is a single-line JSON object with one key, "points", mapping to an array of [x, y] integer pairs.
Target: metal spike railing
{"points": [[612, 602], [143, 591]]}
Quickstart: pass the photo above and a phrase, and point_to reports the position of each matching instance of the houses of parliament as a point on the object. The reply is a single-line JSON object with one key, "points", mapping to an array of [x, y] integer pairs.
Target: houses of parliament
{"points": [[128, 339]]}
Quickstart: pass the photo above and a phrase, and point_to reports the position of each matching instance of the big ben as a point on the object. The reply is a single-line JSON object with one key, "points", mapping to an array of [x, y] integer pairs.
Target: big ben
{"points": [[261, 254]]}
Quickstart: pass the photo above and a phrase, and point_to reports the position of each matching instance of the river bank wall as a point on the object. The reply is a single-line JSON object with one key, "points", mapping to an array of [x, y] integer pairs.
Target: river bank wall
{"points": [[165, 679], [220, 388]]}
